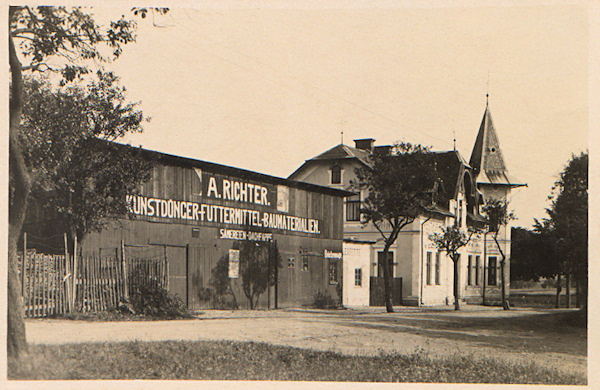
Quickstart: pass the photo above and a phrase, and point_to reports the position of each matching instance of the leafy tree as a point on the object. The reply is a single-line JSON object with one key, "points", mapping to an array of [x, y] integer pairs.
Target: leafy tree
{"points": [[450, 239], [497, 215], [400, 187], [532, 254], [78, 177], [259, 264], [66, 41], [569, 219], [220, 281], [549, 251]]}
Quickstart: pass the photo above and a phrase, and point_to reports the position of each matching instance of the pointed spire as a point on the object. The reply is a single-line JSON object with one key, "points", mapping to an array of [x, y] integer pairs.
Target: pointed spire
{"points": [[487, 158]]}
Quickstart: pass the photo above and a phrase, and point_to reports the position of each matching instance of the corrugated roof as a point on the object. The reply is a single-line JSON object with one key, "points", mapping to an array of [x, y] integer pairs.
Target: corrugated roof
{"points": [[169, 159]]}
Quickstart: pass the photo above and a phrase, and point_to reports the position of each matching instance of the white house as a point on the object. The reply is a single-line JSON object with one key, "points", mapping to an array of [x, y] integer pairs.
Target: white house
{"points": [[424, 275]]}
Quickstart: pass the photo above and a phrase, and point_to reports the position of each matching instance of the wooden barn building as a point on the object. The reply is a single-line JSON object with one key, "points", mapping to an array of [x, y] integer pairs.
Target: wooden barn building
{"points": [[195, 214]]}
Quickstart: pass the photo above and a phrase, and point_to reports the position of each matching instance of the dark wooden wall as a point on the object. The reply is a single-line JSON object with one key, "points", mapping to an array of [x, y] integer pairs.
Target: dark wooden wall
{"points": [[191, 259]]}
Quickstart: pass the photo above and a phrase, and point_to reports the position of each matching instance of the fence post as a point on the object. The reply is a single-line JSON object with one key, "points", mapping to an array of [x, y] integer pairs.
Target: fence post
{"points": [[67, 283], [124, 266], [73, 296]]}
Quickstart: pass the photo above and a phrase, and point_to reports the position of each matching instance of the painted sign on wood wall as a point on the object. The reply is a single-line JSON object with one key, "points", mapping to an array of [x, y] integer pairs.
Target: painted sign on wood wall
{"points": [[218, 200]]}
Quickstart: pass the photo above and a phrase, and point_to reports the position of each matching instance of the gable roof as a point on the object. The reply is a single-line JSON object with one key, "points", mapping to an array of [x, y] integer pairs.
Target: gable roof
{"points": [[448, 165], [343, 151], [338, 152], [487, 158]]}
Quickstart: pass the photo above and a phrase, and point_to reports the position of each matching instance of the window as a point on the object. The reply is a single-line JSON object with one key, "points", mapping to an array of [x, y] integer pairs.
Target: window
{"points": [[469, 269], [358, 276], [492, 271], [304, 262], [380, 263], [459, 212], [353, 208], [195, 232], [428, 268], [336, 174], [333, 271], [291, 262], [437, 268], [477, 270]]}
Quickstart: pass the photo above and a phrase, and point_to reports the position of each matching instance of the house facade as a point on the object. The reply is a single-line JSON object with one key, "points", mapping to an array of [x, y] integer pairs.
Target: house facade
{"points": [[425, 274]]}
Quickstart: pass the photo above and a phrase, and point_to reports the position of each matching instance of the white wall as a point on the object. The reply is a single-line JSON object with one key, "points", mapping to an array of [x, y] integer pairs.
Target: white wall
{"points": [[356, 256]]}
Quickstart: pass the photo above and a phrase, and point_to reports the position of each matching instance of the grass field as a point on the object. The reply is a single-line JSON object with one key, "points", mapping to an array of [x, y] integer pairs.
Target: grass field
{"points": [[204, 360]]}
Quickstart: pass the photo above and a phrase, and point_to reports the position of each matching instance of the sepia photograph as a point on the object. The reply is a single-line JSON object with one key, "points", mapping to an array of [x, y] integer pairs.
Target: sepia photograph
{"points": [[264, 193]]}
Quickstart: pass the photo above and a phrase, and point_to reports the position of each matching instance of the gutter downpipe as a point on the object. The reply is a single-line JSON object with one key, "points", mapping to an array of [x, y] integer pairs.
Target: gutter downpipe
{"points": [[422, 258]]}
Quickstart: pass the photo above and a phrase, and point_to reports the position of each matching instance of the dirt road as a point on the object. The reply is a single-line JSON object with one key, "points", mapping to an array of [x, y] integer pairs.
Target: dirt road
{"points": [[518, 335]]}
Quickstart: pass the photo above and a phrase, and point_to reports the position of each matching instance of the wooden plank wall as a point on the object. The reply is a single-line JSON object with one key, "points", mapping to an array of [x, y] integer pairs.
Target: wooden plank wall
{"points": [[296, 286]]}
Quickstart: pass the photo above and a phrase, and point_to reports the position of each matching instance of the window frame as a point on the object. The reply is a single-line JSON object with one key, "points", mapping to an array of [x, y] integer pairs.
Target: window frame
{"points": [[333, 276], [438, 266], [305, 262], [469, 270], [477, 265], [492, 271], [391, 257], [351, 205], [358, 277], [428, 268], [335, 173]]}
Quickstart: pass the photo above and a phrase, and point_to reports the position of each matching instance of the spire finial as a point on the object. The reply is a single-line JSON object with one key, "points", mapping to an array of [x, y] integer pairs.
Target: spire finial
{"points": [[342, 122], [487, 94], [454, 133]]}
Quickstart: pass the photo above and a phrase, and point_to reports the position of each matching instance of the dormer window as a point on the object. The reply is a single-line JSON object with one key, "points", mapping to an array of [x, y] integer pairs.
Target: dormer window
{"points": [[336, 174]]}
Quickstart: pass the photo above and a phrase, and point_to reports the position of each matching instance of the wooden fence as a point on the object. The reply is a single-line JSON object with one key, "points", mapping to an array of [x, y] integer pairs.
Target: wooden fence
{"points": [[377, 295], [50, 287]]}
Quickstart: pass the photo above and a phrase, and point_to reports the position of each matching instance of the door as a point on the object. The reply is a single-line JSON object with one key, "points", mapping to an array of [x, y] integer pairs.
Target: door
{"points": [[177, 271]]}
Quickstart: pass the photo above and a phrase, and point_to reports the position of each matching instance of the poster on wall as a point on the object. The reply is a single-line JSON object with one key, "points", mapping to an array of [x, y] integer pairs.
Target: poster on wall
{"points": [[199, 173], [234, 263], [283, 199]]}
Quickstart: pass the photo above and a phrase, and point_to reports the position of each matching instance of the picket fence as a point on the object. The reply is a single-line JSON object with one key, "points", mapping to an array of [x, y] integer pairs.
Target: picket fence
{"points": [[55, 284]]}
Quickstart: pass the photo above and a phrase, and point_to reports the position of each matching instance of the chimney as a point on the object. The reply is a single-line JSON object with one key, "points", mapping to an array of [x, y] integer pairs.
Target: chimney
{"points": [[364, 144], [383, 150]]}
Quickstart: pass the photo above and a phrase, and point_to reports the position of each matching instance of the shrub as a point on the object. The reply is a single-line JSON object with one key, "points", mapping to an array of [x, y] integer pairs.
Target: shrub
{"points": [[549, 283], [216, 301], [155, 301], [523, 284], [322, 300]]}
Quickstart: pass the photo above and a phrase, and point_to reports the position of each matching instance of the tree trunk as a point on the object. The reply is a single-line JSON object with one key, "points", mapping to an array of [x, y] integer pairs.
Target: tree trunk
{"points": [[505, 304], [20, 185], [577, 293], [484, 269], [568, 291], [455, 283], [558, 289], [387, 285]]}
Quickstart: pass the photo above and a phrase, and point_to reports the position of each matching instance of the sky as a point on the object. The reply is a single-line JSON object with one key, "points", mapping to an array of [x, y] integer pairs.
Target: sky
{"points": [[266, 88]]}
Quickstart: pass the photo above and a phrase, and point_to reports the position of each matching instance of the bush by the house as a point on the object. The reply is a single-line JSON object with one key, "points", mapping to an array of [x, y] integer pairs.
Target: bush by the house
{"points": [[322, 300], [155, 301]]}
